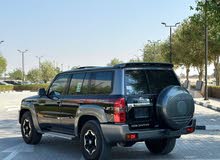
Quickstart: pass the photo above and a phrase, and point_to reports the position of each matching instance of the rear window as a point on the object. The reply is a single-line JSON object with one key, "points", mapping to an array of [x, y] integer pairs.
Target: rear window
{"points": [[148, 81]]}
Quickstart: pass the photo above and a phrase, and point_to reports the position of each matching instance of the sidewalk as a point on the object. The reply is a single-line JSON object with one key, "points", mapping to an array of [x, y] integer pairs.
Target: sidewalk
{"points": [[207, 113], [212, 103]]}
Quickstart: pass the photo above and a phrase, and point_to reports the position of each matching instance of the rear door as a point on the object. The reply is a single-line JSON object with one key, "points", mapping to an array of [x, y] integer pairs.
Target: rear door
{"points": [[71, 102], [142, 87]]}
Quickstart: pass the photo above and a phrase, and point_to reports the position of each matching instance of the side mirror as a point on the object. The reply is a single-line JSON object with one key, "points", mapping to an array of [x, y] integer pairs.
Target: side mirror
{"points": [[42, 92]]}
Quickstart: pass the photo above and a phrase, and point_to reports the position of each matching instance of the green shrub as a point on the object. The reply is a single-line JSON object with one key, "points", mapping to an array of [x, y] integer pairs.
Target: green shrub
{"points": [[217, 87], [30, 87], [193, 86], [214, 91], [6, 88]]}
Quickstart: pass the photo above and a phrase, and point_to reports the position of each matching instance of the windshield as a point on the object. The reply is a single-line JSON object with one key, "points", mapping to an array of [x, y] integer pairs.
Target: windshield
{"points": [[148, 81]]}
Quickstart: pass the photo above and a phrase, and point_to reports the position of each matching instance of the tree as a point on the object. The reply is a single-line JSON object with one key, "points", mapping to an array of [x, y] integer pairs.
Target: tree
{"points": [[114, 61], [212, 8], [136, 59], [75, 67], [48, 71], [3, 64], [16, 74], [152, 53], [34, 75], [188, 48]]}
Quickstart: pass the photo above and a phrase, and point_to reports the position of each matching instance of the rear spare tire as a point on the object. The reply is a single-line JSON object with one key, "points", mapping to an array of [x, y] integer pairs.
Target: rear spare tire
{"points": [[175, 107]]}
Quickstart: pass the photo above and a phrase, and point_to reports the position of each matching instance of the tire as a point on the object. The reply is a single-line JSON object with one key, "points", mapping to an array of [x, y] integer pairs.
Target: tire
{"points": [[161, 146], [92, 142], [29, 133]]}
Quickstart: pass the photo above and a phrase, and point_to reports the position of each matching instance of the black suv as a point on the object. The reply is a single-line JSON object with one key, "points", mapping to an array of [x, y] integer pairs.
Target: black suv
{"points": [[106, 106]]}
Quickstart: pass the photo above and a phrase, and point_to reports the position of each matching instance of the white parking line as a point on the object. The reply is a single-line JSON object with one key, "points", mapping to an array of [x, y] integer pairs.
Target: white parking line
{"points": [[12, 109], [10, 106], [16, 149], [11, 156]]}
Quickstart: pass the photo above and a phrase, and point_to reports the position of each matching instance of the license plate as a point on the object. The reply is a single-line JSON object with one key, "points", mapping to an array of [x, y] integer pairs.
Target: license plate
{"points": [[141, 113]]}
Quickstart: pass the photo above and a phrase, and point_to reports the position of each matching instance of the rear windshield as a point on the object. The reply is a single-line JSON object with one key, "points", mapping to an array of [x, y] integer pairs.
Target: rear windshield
{"points": [[148, 81]]}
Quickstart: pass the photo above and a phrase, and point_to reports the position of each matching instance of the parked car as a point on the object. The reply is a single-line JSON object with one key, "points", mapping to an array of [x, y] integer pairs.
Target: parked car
{"points": [[4, 83], [13, 82], [107, 106]]}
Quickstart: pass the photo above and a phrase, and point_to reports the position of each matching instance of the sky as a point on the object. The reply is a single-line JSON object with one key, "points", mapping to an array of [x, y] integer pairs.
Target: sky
{"points": [[84, 32]]}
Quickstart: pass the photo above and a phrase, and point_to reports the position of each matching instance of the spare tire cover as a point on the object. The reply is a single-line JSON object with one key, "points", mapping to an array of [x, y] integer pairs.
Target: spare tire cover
{"points": [[175, 107]]}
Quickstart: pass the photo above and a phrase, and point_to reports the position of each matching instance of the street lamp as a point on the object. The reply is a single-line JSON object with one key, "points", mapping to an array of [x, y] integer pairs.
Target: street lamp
{"points": [[39, 60], [5, 71], [154, 43], [206, 52], [61, 67], [22, 54], [170, 26]]}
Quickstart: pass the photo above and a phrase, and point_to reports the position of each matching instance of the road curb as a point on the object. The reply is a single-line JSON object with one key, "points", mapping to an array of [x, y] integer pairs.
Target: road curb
{"points": [[200, 128], [24, 91], [207, 105], [7, 91], [208, 127]]}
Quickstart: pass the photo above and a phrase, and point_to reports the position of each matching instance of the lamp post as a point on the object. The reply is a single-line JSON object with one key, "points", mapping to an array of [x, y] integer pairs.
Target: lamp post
{"points": [[22, 54], [206, 52], [5, 71], [170, 26], [39, 60], [154, 43], [61, 67]]}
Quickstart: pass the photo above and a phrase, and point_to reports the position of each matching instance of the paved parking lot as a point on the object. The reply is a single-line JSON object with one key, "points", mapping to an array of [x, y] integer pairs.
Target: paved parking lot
{"points": [[200, 145]]}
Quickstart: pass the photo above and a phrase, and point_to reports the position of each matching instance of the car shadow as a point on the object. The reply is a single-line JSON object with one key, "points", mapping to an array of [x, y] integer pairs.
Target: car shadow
{"points": [[188, 147]]}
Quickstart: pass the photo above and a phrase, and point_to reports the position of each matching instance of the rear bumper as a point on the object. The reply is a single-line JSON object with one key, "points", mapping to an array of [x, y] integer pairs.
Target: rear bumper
{"points": [[117, 133]]}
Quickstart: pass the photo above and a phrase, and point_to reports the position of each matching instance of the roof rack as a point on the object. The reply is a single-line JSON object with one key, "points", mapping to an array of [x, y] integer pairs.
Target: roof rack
{"points": [[87, 67], [144, 64]]}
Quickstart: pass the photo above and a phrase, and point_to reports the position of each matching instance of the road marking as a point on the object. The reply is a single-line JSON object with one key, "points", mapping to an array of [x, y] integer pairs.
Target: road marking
{"points": [[12, 109], [213, 127], [11, 156], [11, 106], [22, 147], [82, 158]]}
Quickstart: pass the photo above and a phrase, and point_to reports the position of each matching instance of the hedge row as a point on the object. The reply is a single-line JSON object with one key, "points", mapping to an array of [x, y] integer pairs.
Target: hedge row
{"points": [[29, 87], [6, 87], [214, 91]]}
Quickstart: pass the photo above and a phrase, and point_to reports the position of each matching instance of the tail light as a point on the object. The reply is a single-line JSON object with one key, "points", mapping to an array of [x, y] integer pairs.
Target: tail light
{"points": [[131, 136], [120, 111], [190, 130]]}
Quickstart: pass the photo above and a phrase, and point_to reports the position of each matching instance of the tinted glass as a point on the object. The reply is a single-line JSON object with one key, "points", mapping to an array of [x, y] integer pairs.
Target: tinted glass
{"points": [[85, 86], [136, 82], [97, 83], [148, 81], [159, 79], [76, 83], [101, 82], [59, 85]]}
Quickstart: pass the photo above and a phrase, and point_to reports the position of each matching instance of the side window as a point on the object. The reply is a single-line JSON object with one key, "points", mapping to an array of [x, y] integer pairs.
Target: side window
{"points": [[76, 83], [86, 84], [101, 82], [58, 86]]}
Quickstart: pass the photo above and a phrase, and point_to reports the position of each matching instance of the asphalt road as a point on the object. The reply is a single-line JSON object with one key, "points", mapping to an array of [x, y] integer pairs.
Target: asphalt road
{"points": [[200, 145]]}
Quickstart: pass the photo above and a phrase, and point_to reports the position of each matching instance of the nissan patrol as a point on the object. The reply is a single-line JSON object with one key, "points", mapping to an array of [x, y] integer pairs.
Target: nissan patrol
{"points": [[109, 106]]}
